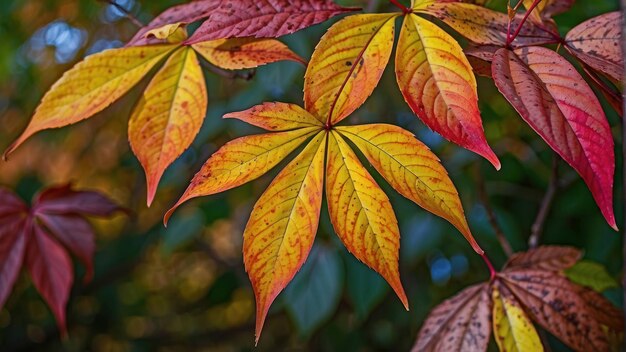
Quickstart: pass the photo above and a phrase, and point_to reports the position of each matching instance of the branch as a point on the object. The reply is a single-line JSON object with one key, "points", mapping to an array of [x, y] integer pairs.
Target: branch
{"points": [[126, 13], [491, 215], [546, 204]]}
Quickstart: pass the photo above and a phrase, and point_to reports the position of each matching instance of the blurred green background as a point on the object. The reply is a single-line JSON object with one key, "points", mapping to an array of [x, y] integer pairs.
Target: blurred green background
{"points": [[185, 288]]}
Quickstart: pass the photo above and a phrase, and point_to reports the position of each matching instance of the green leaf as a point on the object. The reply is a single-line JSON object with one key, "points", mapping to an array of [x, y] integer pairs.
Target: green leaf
{"points": [[313, 295], [591, 274]]}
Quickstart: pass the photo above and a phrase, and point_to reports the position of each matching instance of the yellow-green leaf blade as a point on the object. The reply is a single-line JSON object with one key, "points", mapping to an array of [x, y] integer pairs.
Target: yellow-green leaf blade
{"points": [[241, 53], [91, 86], [168, 116], [242, 160], [361, 213], [591, 274], [347, 65], [276, 117], [282, 226], [438, 83], [513, 330], [412, 170]]}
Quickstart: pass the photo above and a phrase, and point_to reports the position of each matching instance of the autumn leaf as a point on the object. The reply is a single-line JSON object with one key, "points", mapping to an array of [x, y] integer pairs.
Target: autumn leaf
{"points": [[283, 224], [545, 9], [168, 116], [531, 288], [241, 53], [597, 42], [512, 329], [347, 65], [438, 83], [170, 112], [348, 62], [40, 238], [91, 86], [552, 97], [265, 18]]}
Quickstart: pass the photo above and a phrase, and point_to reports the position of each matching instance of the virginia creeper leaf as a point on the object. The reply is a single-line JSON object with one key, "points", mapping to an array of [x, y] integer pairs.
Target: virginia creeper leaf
{"points": [[545, 9], [265, 18], [171, 33], [242, 160], [347, 65], [241, 53], [549, 258], [184, 13], [39, 238], [552, 97], [168, 116], [277, 117], [361, 213], [461, 323], [512, 329], [552, 301], [437, 82], [602, 310], [282, 226], [411, 169], [598, 43], [482, 25], [91, 86]]}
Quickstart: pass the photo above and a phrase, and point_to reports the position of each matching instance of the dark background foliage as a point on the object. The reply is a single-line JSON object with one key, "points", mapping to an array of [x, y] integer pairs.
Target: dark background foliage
{"points": [[185, 288]]}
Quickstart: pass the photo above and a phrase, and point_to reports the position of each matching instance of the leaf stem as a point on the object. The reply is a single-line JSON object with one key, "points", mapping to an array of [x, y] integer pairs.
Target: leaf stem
{"points": [[126, 13], [546, 203], [491, 216], [492, 270], [510, 38], [405, 10]]}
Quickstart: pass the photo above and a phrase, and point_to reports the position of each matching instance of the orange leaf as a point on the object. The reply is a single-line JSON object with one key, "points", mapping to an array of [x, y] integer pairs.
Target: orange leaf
{"points": [[276, 117], [412, 170], [242, 160], [91, 86], [169, 115], [347, 65], [361, 213], [241, 53], [282, 226], [438, 83]]}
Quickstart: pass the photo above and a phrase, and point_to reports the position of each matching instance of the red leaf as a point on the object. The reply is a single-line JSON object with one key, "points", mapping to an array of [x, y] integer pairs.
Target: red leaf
{"points": [[597, 42], [185, 13], [552, 97], [51, 270], [36, 238], [265, 18], [76, 234]]}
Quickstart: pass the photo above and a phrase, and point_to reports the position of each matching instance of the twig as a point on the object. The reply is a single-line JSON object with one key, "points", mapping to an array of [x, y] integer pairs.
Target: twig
{"points": [[126, 13], [491, 215], [546, 204]]}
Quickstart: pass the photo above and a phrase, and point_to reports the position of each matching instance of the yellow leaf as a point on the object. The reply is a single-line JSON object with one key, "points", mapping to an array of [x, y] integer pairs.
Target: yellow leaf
{"points": [[283, 224], [437, 82], [513, 330], [276, 117], [91, 86], [169, 115], [361, 213], [242, 160], [173, 33], [240, 53], [347, 65], [412, 170]]}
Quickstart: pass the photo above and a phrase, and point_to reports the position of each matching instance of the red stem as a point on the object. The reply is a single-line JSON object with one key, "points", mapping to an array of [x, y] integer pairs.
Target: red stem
{"points": [[404, 9], [492, 270], [510, 39]]}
